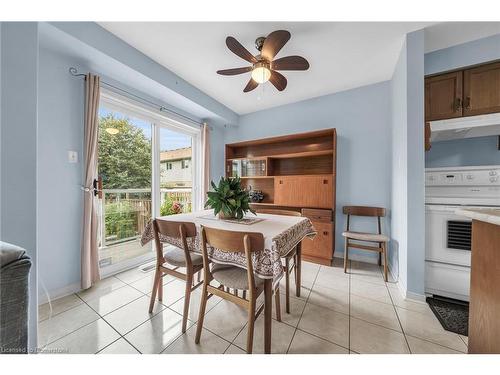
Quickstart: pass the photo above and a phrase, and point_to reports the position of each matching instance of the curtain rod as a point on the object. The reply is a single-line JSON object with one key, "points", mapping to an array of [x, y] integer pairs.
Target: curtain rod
{"points": [[74, 72]]}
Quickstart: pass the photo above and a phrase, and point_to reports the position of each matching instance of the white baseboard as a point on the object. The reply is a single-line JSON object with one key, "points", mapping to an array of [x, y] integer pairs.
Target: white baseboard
{"points": [[59, 293]]}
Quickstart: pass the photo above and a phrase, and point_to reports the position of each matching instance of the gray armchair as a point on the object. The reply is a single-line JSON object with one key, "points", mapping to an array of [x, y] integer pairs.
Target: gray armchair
{"points": [[14, 290]]}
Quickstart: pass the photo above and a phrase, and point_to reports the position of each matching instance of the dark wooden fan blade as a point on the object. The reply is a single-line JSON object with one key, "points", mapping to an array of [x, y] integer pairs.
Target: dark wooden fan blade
{"points": [[273, 43], [234, 71], [250, 85], [278, 80], [239, 50], [290, 63]]}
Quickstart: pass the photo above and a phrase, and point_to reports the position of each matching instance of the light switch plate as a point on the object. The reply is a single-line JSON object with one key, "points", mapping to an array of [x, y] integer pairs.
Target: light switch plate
{"points": [[72, 157]]}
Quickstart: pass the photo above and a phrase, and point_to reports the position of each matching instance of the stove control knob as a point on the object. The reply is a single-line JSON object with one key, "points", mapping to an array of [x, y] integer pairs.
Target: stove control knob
{"points": [[494, 179], [493, 173], [470, 177]]}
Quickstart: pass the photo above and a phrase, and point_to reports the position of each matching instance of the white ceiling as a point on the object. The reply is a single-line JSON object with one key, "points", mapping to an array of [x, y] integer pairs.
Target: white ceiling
{"points": [[342, 55]]}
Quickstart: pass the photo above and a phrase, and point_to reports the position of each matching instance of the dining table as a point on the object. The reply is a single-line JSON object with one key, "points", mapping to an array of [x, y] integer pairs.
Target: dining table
{"points": [[282, 234]]}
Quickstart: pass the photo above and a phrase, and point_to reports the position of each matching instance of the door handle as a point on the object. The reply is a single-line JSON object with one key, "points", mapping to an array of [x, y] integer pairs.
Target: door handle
{"points": [[97, 186]]}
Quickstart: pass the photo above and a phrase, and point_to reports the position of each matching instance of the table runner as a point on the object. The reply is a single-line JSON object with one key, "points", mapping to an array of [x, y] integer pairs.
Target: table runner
{"points": [[281, 235]]}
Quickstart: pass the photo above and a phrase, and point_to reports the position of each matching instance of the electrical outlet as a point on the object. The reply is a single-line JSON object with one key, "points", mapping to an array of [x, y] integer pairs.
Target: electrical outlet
{"points": [[72, 157]]}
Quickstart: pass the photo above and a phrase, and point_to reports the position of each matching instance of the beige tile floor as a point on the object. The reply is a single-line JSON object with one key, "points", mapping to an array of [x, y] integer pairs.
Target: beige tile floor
{"points": [[337, 313]]}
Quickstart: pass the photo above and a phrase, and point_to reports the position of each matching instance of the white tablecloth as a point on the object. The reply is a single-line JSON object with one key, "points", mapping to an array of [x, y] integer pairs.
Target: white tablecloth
{"points": [[281, 235]]}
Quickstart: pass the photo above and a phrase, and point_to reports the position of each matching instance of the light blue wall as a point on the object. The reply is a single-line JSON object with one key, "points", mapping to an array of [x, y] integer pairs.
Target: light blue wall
{"points": [[408, 215], [19, 120], [479, 151], [463, 152], [362, 119], [465, 54], [61, 199], [399, 197], [416, 162]]}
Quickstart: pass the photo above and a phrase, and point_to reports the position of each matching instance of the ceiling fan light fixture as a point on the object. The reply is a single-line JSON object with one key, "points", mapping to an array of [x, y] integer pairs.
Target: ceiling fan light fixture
{"points": [[261, 72]]}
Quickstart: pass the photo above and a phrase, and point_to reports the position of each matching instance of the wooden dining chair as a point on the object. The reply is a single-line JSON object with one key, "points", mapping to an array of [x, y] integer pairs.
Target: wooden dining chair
{"points": [[292, 255], [232, 276], [177, 257], [361, 238]]}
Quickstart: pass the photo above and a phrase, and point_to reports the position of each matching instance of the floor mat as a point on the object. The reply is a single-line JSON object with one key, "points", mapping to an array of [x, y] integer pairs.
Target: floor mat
{"points": [[452, 314]]}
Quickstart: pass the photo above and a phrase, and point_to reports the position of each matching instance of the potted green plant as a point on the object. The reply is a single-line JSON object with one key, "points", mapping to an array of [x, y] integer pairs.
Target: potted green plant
{"points": [[229, 199]]}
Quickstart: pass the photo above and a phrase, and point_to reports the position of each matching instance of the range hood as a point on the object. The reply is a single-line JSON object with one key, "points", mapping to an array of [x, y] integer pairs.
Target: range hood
{"points": [[465, 127]]}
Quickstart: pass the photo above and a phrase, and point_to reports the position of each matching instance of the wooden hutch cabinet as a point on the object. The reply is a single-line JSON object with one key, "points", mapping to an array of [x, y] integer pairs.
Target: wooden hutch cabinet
{"points": [[295, 172]]}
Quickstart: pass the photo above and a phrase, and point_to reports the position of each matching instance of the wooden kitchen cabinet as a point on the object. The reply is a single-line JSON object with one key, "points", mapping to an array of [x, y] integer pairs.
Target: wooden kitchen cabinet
{"points": [[443, 96], [320, 248], [482, 90], [304, 191]]}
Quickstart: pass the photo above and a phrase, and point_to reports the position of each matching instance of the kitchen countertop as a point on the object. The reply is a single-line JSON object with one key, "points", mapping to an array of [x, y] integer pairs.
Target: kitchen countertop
{"points": [[488, 215]]}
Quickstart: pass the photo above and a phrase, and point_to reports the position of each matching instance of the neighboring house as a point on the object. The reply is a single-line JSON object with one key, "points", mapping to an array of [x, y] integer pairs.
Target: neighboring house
{"points": [[175, 168]]}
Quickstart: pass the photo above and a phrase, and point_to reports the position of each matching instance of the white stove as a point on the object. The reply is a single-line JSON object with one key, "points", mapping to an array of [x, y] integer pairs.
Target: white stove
{"points": [[448, 235]]}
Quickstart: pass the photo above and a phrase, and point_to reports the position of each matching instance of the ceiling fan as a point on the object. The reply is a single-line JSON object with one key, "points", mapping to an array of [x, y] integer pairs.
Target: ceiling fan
{"points": [[264, 68]]}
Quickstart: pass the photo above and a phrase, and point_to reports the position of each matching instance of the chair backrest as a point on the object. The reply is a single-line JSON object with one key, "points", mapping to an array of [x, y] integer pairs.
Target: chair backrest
{"points": [[273, 211], [364, 211], [377, 212], [176, 229], [231, 241], [172, 228]]}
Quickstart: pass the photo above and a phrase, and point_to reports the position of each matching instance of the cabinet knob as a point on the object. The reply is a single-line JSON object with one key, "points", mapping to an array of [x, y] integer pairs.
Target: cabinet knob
{"points": [[325, 233], [325, 182], [467, 102], [281, 182], [458, 104]]}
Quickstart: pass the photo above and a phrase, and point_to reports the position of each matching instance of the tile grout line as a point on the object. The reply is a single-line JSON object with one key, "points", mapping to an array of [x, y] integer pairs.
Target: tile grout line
{"points": [[399, 320], [119, 334], [304, 309]]}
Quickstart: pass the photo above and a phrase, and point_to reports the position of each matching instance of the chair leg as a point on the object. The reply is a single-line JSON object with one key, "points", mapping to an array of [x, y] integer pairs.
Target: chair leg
{"points": [[157, 279], [384, 247], [160, 289], [251, 323], [346, 254], [201, 315], [287, 286], [277, 304], [298, 276], [187, 298], [380, 257]]}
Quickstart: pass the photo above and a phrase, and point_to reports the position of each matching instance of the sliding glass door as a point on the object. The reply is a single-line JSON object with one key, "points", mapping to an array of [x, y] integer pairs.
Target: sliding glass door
{"points": [[125, 167], [147, 164]]}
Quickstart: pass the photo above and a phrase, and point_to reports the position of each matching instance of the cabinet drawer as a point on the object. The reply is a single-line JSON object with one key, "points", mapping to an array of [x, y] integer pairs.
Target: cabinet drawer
{"points": [[321, 246], [317, 214], [304, 191]]}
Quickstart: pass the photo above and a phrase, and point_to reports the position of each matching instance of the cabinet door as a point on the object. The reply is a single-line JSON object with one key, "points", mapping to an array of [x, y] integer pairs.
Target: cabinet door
{"points": [[304, 191], [443, 96], [321, 246], [482, 90]]}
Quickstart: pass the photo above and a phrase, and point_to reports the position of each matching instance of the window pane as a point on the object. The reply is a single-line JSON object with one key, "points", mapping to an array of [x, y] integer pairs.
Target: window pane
{"points": [[176, 175]]}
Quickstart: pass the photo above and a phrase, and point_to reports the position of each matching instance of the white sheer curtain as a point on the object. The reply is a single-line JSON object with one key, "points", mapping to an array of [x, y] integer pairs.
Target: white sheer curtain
{"points": [[90, 256]]}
